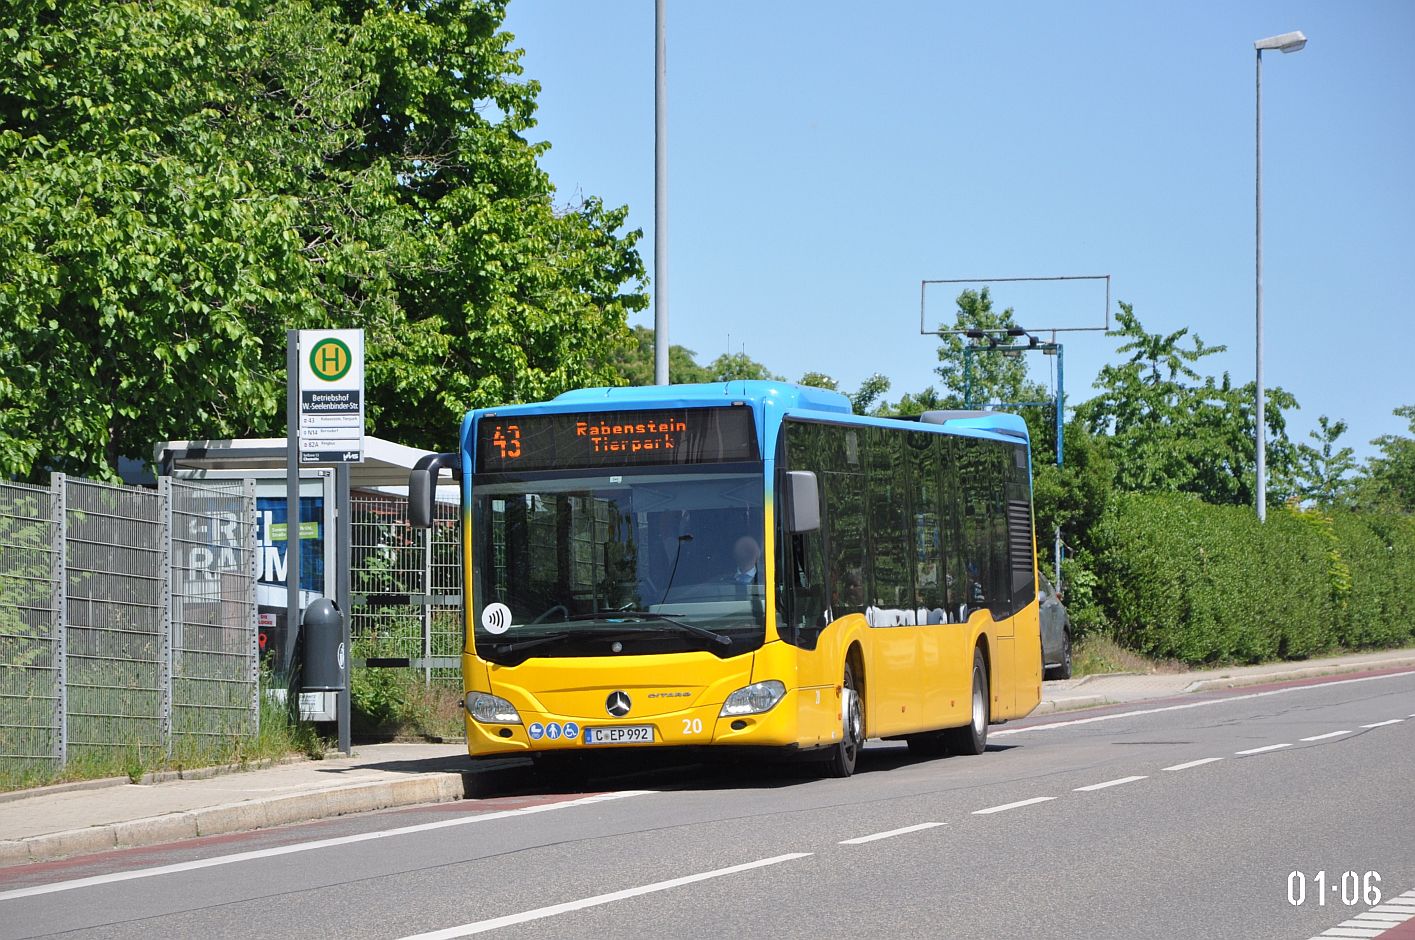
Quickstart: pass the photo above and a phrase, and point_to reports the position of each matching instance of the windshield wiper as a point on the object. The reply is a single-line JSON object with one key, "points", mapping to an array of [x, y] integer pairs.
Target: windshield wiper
{"points": [[507, 647], [610, 616]]}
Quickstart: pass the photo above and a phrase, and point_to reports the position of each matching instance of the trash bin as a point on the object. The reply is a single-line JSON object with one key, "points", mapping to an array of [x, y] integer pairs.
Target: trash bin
{"points": [[326, 660]]}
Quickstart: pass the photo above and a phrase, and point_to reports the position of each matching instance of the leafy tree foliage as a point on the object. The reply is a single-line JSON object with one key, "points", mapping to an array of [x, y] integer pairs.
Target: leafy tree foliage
{"points": [[183, 180], [995, 378], [634, 364], [1172, 429], [1388, 484], [1324, 473], [730, 367]]}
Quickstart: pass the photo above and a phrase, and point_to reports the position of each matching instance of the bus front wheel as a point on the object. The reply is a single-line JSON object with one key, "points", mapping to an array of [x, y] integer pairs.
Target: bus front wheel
{"points": [[846, 753], [972, 738]]}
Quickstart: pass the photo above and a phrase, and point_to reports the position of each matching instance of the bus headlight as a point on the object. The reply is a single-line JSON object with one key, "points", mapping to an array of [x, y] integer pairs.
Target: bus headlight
{"points": [[491, 709], [754, 699]]}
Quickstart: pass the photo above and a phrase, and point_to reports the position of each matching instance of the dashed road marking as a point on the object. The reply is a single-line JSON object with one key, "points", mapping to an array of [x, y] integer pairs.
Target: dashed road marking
{"points": [[1006, 806], [1329, 734], [1261, 750], [1382, 724], [860, 840], [482, 926], [1108, 783], [1194, 763]]}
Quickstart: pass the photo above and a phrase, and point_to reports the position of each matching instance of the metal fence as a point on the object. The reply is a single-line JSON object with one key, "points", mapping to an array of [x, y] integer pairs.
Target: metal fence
{"points": [[407, 587], [127, 619]]}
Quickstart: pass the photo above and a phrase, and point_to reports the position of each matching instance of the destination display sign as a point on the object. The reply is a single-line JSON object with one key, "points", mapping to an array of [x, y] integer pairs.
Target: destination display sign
{"points": [[615, 439]]}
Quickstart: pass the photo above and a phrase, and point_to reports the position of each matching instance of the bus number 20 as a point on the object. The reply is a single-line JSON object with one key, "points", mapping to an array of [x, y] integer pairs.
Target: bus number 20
{"points": [[692, 726]]}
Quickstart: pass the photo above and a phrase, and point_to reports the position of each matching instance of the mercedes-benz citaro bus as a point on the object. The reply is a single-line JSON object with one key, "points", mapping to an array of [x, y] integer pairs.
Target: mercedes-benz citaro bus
{"points": [[742, 564]]}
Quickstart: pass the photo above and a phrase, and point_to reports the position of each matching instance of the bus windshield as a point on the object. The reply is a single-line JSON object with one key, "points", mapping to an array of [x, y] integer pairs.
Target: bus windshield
{"points": [[622, 563]]}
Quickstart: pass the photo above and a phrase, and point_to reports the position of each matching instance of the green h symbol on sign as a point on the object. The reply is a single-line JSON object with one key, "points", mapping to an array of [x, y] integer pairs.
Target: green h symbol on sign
{"points": [[330, 359]]}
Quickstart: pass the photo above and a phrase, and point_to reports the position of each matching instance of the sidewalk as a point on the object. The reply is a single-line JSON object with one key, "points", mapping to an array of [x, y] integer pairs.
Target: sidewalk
{"points": [[1121, 687], [97, 816]]}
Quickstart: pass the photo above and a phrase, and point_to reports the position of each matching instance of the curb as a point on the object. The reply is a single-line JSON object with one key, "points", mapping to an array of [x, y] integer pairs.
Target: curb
{"points": [[1071, 703], [237, 817], [1306, 672]]}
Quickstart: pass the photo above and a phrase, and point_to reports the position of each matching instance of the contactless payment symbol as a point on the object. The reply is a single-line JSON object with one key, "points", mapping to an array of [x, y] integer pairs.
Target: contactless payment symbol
{"points": [[536, 731], [496, 618]]}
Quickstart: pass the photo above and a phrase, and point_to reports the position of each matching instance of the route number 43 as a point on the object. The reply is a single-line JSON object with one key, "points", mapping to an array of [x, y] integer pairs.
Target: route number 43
{"points": [[1354, 888], [692, 726]]}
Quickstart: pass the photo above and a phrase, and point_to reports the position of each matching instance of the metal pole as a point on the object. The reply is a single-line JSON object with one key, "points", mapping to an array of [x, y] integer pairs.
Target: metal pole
{"points": [[1262, 494], [1060, 452], [660, 198], [427, 604], [164, 655], [248, 510], [59, 514], [341, 593], [967, 378], [292, 509]]}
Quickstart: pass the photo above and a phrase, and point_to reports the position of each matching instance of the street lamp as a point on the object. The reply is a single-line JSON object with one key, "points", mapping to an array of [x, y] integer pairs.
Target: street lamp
{"points": [[1287, 42]]}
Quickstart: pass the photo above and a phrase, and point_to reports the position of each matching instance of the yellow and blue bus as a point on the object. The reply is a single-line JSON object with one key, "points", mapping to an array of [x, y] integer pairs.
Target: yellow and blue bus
{"points": [[742, 564]]}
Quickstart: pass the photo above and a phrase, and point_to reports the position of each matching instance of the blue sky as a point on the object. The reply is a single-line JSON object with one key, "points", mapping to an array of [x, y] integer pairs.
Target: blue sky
{"points": [[827, 157]]}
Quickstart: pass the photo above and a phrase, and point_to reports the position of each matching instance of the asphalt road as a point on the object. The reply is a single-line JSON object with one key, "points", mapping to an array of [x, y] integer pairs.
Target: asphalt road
{"points": [[1178, 818]]}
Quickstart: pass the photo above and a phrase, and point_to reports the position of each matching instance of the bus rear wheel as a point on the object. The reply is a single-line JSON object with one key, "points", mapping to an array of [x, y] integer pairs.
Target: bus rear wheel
{"points": [[972, 738], [846, 753]]}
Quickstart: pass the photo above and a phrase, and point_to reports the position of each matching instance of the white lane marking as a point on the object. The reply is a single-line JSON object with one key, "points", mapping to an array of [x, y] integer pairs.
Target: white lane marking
{"points": [[1382, 724], [860, 840], [1329, 734], [1108, 783], [482, 926], [1398, 910], [1260, 750], [1200, 704], [1194, 763], [307, 846], [1352, 932], [1007, 806], [1365, 920]]}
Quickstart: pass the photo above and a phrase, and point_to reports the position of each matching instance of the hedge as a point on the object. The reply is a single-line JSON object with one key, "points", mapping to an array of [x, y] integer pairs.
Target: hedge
{"points": [[1177, 578]]}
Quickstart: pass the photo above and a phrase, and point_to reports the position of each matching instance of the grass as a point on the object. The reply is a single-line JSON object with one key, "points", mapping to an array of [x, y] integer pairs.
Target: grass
{"points": [[397, 704], [279, 736], [1096, 655]]}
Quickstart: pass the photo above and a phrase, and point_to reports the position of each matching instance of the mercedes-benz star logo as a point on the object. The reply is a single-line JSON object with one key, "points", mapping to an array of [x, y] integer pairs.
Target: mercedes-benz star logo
{"points": [[617, 704]]}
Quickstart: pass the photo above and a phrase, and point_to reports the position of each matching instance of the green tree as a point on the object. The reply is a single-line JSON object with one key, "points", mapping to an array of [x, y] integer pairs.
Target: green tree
{"points": [[730, 367], [183, 180], [1324, 473], [1388, 481], [634, 362], [994, 377], [1169, 428]]}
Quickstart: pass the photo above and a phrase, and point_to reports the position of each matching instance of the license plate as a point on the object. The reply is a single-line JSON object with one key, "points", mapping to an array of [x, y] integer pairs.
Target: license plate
{"points": [[621, 734]]}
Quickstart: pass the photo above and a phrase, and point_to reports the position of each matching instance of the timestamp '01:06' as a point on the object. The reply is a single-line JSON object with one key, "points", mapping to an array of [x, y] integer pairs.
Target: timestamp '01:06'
{"points": [[1351, 887]]}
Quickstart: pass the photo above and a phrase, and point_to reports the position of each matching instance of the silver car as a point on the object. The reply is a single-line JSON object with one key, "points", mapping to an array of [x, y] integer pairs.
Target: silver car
{"points": [[1056, 633]]}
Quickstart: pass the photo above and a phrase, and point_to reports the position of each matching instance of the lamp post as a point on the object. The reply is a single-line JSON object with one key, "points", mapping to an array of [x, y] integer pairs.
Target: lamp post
{"points": [[1287, 42]]}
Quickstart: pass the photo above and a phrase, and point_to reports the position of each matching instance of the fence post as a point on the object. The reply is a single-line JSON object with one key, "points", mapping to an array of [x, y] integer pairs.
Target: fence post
{"points": [[248, 506], [58, 511], [164, 651], [427, 535]]}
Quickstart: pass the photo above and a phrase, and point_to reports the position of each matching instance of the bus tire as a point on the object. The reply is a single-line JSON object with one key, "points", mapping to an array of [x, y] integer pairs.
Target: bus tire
{"points": [[845, 754], [972, 738]]}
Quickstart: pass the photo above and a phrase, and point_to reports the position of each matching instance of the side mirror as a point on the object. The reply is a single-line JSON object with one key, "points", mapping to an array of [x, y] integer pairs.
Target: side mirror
{"points": [[422, 487], [801, 498]]}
